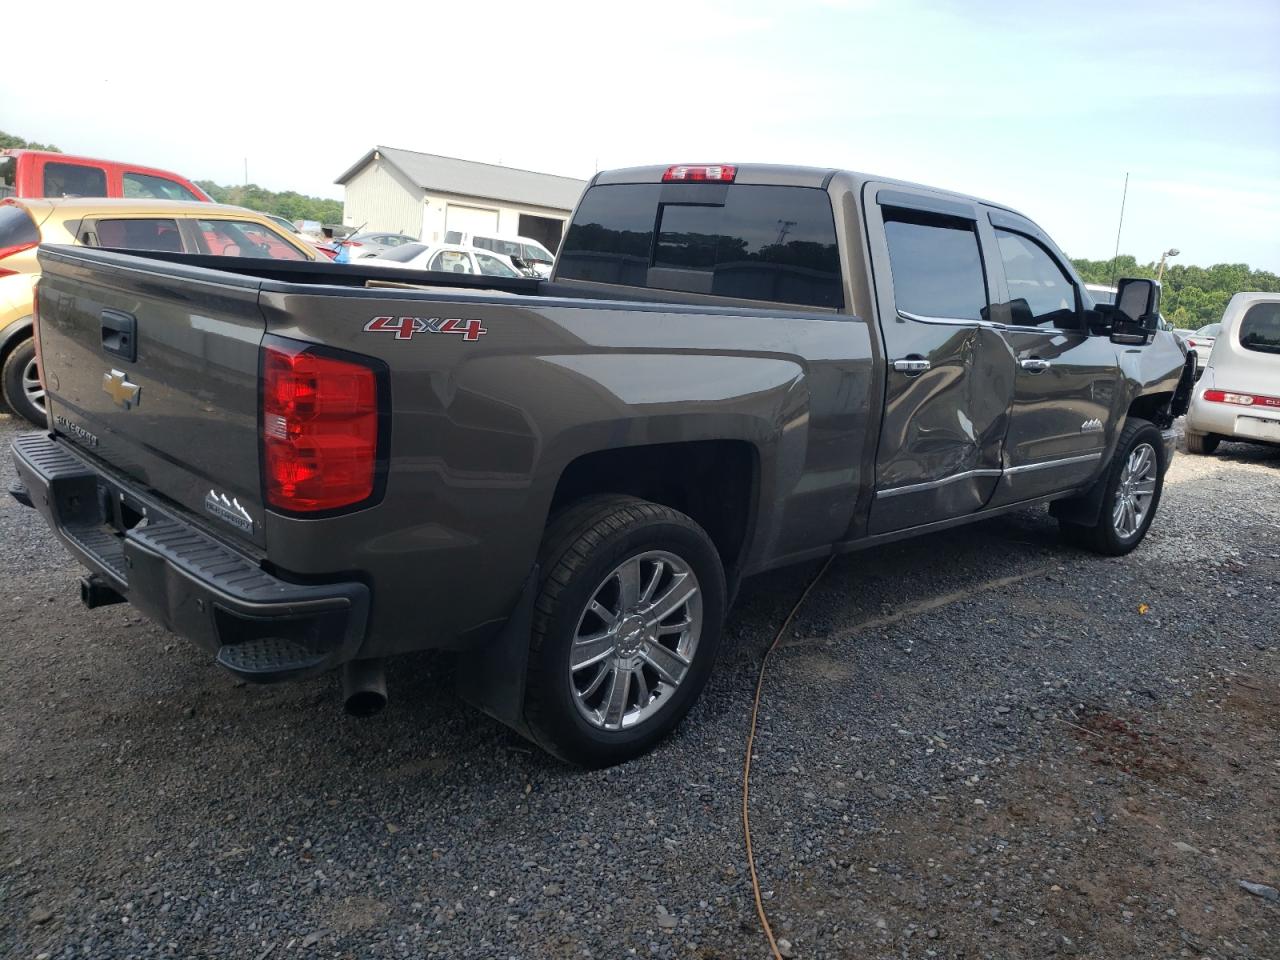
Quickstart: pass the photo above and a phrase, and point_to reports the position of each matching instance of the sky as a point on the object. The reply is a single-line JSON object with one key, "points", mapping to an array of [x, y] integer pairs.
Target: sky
{"points": [[1040, 106]]}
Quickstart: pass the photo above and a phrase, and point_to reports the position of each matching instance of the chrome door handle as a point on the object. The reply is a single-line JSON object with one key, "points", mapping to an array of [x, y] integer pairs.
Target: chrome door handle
{"points": [[1035, 365], [911, 366]]}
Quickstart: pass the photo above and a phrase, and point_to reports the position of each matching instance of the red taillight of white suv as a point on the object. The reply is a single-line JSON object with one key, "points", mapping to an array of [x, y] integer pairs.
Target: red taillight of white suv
{"points": [[323, 428], [1241, 399]]}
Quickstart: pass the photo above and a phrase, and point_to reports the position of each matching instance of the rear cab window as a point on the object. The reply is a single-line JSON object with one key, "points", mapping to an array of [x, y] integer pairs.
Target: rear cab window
{"points": [[1259, 327], [74, 180], [741, 241]]}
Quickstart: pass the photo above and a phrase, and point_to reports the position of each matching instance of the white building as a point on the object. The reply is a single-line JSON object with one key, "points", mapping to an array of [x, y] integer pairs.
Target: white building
{"points": [[425, 196]]}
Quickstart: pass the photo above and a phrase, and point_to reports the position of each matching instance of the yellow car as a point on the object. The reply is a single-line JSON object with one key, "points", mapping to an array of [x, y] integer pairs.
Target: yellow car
{"points": [[122, 224]]}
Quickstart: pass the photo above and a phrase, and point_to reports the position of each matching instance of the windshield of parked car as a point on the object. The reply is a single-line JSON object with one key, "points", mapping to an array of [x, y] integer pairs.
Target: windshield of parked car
{"points": [[537, 253], [1209, 330], [1260, 328], [493, 267], [403, 254]]}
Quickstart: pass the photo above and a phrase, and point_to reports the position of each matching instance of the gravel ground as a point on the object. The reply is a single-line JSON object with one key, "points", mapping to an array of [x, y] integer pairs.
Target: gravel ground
{"points": [[979, 744]]}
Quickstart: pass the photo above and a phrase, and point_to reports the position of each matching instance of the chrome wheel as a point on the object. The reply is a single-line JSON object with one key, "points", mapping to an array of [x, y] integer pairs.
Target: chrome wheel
{"points": [[635, 641], [1136, 490], [32, 388]]}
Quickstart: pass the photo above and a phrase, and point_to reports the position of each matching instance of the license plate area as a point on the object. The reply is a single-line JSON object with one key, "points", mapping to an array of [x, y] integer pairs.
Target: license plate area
{"points": [[120, 510], [1257, 428], [94, 514]]}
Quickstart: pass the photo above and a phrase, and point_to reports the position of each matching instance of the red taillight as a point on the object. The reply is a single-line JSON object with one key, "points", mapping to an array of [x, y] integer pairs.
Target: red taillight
{"points": [[353, 243], [1241, 399], [319, 430], [702, 172]]}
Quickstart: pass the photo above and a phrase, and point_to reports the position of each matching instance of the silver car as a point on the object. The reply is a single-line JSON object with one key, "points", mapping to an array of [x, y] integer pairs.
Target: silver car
{"points": [[362, 245], [1201, 341]]}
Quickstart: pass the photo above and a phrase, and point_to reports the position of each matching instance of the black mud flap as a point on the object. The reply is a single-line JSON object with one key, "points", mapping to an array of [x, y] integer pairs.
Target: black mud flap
{"points": [[1186, 383], [491, 676], [1084, 509]]}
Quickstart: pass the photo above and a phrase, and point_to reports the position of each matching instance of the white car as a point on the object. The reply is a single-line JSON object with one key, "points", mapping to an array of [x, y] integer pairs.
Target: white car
{"points": [[526, 248], [447, 258], [1238, 398]]}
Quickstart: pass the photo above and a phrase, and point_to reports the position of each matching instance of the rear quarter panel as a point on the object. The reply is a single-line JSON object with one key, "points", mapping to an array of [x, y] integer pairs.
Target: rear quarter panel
{"points": [[482, 430]]}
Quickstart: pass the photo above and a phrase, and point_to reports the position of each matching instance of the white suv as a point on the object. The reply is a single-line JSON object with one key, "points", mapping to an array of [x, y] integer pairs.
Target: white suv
{"points": [[1238, 398], [528, 250]]}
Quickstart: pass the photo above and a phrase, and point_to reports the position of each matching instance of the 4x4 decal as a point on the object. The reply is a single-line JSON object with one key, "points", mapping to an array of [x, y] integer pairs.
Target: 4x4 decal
{"points": [[405, 327]]}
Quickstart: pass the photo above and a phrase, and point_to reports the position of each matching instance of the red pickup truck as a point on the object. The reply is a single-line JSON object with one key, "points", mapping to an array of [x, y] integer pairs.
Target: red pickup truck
{"points": [[42, 173]]}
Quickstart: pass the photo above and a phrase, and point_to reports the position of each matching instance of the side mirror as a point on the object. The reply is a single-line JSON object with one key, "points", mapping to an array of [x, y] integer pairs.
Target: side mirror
{"points": [[1137, 312]]}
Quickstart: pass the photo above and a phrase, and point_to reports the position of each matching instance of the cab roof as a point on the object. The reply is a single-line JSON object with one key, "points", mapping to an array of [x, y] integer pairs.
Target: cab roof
{"points": [[786, 175]]}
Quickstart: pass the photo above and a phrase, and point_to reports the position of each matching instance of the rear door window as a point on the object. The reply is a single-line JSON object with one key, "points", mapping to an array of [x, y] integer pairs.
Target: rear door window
{"points": [[145, 185], [74, 180], [746, 242], [936, 265], [1259, 328], [17, 231], [242, 238], [139, 234]]}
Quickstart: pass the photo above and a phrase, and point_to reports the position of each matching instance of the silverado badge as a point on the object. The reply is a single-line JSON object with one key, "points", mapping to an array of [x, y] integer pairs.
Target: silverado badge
{"points": [[228, 510], [117, 386]]}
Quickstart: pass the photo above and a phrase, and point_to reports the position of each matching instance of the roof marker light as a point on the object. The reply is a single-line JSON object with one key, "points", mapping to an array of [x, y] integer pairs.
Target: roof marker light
{"points": [[702, 172]]}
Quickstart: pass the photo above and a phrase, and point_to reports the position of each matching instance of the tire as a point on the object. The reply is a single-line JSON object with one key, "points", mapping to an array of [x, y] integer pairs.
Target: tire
{"points": [[1109, 535], [18, 366], [575, 714], [1202, 443]]}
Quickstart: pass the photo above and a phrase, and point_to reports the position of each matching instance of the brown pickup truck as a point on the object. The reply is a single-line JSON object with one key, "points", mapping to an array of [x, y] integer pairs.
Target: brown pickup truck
{"points": [[310, 466]]}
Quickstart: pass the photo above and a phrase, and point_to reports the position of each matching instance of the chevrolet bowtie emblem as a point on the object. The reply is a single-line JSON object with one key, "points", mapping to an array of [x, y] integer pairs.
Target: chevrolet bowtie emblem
{"points": [[116, 385]]}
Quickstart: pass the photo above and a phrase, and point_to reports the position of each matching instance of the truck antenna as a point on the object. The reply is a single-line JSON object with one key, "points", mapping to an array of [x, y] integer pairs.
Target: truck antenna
{"points": [[1120, 226]]}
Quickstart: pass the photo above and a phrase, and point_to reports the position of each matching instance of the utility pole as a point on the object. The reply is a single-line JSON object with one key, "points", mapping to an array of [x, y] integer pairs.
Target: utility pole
{"points": [[246, 171]]}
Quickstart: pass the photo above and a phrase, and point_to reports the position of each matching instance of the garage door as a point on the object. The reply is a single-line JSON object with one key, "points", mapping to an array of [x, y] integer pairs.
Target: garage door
{"points": [[470, 219]]}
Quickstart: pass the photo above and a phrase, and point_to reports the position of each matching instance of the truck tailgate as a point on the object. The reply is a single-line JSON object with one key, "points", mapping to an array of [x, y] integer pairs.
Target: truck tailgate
{"points": [[152, 368]]}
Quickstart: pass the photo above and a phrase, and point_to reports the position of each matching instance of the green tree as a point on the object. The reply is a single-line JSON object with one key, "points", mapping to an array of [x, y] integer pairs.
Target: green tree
{"points": [[1191, 296], [288, 204], [9, 140]]}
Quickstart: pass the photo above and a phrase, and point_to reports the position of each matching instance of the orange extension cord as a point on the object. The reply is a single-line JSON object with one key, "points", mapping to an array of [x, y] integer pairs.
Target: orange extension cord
{"points": [[746, 767]]}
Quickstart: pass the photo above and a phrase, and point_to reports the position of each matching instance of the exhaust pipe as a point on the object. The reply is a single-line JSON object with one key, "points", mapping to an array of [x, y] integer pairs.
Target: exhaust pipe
{"points": [[94, 592], [364, 687]]}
